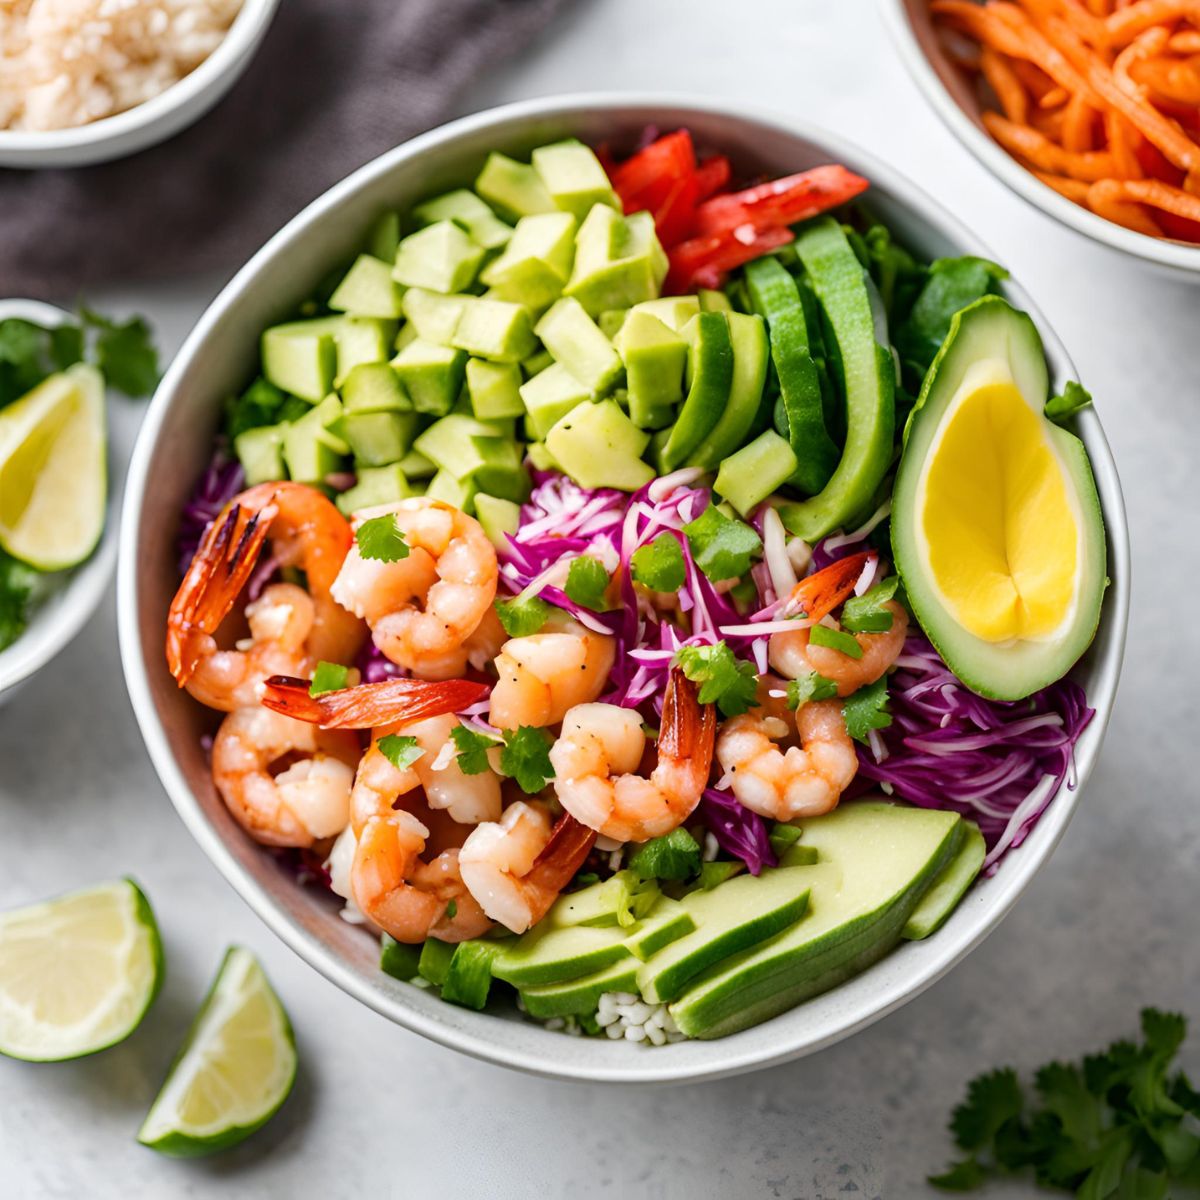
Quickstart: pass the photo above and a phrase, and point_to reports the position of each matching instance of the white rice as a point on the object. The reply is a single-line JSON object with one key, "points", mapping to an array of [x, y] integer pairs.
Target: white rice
{"points": [[624, 1015], [68, 62]]}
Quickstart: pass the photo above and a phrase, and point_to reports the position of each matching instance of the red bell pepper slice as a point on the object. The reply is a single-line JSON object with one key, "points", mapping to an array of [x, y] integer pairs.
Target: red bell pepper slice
{"points": [[703, 261], [646, 179], [780, 201], [711, 176]]}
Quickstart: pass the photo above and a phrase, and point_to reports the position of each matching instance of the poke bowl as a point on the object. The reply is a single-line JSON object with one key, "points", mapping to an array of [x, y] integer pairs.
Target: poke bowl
{"points": [[222, 356]]}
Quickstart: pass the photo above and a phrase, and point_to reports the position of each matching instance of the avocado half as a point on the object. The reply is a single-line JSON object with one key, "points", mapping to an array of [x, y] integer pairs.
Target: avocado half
{"points": [[992, 341]]}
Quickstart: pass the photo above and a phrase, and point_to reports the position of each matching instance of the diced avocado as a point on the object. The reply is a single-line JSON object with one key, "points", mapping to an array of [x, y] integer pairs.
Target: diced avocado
{"points": [[513, 187], [464, 446], [432, 375], [549, 953], [442, 257], [673, 311], [377, 438], [618, 261], [580, 997], [534, 267], [575, 340], [362, 340], [949, 887], [368, 290], [495, 329], [549, 396], [376, 485], [260, 451], [748, 477], [310, 449], [494, 389], [599, 446], [655, 358], [470, 212], [741, 912], [498, 517], [611, 320], [458, 492], [434, 963], [751, 351], [407, 335], [713, 301], [666, 922], [536, 363], [374, 387], [469, 975], [432, 315], [383, 240], [573, 176], [540, 458], [709, 378], [300, 357], [416, 466], [398, 959], [877, 860]]}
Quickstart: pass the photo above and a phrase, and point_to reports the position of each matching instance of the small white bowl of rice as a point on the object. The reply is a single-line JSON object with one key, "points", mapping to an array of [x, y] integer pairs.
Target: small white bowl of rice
{"points": [[86, 81]]}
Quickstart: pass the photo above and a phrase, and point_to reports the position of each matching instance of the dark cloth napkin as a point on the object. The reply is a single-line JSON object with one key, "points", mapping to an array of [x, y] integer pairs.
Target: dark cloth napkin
{"points": [[335, 83]]}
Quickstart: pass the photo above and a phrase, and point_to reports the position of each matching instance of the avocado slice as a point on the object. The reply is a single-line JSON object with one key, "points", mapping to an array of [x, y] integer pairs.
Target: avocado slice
{"points": [[469, 974], [551, 953], [619, 261], [655, 358], [876, 861], [580, 997], [709, 379], [949, 887], [1007, 582]]}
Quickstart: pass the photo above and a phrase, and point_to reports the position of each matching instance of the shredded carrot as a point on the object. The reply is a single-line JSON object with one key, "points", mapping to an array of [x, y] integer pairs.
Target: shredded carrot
{"points": [[1186, 42], [1143, 47], [1041, 152], [1162, 195], [1004, 82], [1107, 198], [1122, 141], [1170, 78], [1073, 189], [1078, 122], [1133, 19], [1055, 97], [1037, 83]]}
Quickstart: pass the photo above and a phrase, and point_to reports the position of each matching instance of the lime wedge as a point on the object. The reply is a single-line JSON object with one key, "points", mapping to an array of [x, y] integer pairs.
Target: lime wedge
{"points": [[235, 1068], [77, 973], [53, 476]]}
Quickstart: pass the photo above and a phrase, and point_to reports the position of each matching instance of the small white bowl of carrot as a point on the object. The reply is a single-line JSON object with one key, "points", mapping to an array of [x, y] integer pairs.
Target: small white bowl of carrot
{"points": [[1088, 109]]}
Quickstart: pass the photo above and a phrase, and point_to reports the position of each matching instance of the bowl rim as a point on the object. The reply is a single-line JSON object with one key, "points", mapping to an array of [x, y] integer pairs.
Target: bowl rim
{"points": [[724, 1058], [45, 637], [29, 147], [1164, 252]]}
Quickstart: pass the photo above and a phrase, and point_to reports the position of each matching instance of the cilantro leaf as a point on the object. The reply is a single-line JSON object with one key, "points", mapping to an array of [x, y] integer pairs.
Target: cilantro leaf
{"points": [[867, 709], [125, 352], [835, 639], [866, 613], [963, 1176], [526, 758], [809, 687], [521, 618], [675, 855], [258, 405], [992, 1099], [721, 547], [726, 681], [659, 565], [1060, 409], [24, 353], [400, 751], [451, 910], [587, 583], [380, 539], [473, 748], [632, 896], [328, 677], [16, 590]]}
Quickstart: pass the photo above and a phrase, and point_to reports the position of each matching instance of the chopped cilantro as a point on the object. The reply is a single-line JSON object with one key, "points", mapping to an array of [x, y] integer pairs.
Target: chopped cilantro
{"points": [[866, 613], [722, 547], [809, 687], [400, 751], [526, 758], [1060, 409], [632, 896], [473, 747], [867, 709], [783, 836], [380, 539], [258, 405], [521, 618], [587, 583], [835, 639], [451, 910], [586, 879], [659, 565], [713, 874], [328, 677], [125, 352], [16, 590], [675, 855], [726, 681]]}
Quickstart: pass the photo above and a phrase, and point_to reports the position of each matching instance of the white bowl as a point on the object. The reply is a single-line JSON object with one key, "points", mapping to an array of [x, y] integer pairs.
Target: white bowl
{"points": [[174, 446], [75, 594], [955, 102], [156, 119]]}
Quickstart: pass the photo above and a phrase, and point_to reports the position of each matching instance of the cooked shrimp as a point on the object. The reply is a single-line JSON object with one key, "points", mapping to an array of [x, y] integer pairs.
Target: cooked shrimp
{"points": [[477, 651], [601, 747], [793, 655], [516, 867], [801, 781], [306, 531], [308, 800], [543, 675], [422, 608]]}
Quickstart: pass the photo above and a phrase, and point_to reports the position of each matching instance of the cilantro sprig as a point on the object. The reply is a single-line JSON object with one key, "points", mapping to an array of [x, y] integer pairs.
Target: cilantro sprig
{"points": [[16, 594], [587, 583], [659, 564], [675, 855], [1060, 409], [722, 547], [726, 681], [473, 747], [328, 677], [809, 687], [381, 540], [868, 613], [521, 618], [526, 758], [867, 709], [399, 750]]}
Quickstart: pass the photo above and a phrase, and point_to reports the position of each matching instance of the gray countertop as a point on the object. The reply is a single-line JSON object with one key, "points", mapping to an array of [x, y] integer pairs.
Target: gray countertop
{"points": [[1107, 927]]}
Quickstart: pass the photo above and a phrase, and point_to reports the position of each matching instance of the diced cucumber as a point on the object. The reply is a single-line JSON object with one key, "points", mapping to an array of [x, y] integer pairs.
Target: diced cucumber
{"points": [[434, 963], [383, 240], [374, 387], [599, 446], [467, 450], [536, 363], [513, 187], [368, 290], [376, 485], [618, 261], [498, 517], [751, 350], [534, 267], [611, 320], [470, 212], [575, 340], [300, 357], [548, 397], [442, 257], [310, 449], [573, 176], [494, 389], [379, 437], [398, 959], [260, 451], [655, 358], [432, 315], [362, 340], [710, 376], [713, 301], [748, 477], [407, 335], [458, 492], [416, 466], [540, 458], [469, 976], [673, 311], [432, 375], [498, 330]]}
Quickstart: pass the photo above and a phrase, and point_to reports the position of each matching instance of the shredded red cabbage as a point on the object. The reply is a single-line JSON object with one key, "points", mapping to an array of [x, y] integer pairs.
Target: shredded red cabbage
{"points": [[739, 832], [223, 478]]}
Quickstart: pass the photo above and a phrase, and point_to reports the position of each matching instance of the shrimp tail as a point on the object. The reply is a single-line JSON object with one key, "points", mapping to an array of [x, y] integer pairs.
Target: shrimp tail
{"points": [[389, 702], [221, 567], [820, 593], [561, 857], [688, 727]]}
